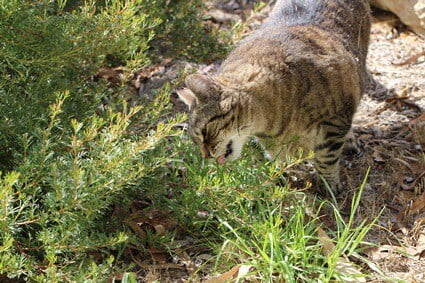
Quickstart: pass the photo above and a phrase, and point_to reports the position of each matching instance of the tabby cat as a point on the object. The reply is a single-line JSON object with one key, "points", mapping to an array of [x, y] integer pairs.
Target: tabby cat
{"points": [[295, 82]]}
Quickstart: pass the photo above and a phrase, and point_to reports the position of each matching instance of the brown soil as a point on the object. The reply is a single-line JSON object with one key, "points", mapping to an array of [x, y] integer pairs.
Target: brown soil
{"points": [[390, 127]]}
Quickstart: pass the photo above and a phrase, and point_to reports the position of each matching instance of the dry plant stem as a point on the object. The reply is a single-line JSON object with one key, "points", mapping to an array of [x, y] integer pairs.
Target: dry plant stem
{"points": [[410, 60]]}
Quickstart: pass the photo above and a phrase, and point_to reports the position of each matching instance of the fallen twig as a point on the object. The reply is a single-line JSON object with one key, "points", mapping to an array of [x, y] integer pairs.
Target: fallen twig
{"points": [[410, 60]]}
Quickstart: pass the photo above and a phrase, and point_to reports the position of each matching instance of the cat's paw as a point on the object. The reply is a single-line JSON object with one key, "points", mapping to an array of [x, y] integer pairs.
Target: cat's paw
{"points": [[327, 188], [351, 147]]}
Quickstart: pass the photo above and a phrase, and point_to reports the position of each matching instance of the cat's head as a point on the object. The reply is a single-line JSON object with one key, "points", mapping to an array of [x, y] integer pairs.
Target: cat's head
{"points": [[215, 118]]}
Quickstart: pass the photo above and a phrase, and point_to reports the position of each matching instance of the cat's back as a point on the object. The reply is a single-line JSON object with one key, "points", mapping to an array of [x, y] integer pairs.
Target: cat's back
{"points": [[309, 35], [345, 20], [324, 13]]}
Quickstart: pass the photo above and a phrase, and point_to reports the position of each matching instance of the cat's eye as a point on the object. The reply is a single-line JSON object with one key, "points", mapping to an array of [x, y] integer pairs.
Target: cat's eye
{"points": [[204, 132]]}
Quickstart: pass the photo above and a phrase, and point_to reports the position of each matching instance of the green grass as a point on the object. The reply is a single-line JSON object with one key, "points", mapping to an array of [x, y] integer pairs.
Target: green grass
{"points": [[252, 220]]}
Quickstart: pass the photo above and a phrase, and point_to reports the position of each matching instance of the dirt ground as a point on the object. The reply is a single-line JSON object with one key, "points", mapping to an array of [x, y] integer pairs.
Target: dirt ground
{"points": [[390, 130]]}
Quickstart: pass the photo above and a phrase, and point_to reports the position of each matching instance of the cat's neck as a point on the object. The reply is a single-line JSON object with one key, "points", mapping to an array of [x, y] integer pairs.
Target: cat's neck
{"points": [[256, 95]]}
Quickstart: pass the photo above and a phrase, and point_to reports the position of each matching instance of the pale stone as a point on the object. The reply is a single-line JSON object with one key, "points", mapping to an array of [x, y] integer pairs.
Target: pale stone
{"points": [[410, 12]]}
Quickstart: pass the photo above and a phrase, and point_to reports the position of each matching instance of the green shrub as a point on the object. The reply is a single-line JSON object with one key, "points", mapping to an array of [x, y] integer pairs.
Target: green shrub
{"points": [[180, 30], [67, 152]]}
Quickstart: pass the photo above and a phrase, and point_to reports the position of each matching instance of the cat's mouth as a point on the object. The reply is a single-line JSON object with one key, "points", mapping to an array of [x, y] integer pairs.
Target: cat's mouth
{"points": [[229, 150]]}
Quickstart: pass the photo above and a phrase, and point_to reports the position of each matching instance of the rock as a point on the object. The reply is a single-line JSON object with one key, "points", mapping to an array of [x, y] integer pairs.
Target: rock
{"points": [[410, 12], [220, 16]]}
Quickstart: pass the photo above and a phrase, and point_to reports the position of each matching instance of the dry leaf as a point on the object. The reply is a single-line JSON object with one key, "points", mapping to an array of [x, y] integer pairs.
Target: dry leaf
{"points": [[160, 230], [343, 265], [377, 157], [110, 74], [158, 256], [413, 207], [418, 204], [420, 246], [400, 181], [384, 251], [325, 241], [243, 271], [225, 276], [152, 218], [136, 228]]}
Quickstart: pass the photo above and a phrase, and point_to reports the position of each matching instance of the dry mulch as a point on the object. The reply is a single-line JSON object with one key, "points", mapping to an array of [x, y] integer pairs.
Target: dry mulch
{"points": [[390, 127]]}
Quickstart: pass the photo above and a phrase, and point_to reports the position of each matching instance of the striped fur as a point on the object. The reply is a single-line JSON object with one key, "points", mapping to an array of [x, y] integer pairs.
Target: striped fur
{"points": [[295, 82]]}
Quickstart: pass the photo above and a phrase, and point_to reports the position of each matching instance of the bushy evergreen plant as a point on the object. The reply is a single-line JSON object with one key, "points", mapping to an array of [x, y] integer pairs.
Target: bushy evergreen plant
{"points": [[67, 149]]}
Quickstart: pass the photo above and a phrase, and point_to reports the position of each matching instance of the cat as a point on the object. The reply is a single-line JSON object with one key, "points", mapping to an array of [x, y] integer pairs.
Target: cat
{"points": [[295, 82]]}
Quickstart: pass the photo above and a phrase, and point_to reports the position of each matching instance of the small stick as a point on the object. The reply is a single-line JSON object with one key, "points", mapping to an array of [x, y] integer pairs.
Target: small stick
{"points": [[411, 60]]}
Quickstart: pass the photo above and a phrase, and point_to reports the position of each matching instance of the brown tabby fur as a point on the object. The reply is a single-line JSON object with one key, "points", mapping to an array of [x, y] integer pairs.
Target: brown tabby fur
{"points": [[295, 82]]}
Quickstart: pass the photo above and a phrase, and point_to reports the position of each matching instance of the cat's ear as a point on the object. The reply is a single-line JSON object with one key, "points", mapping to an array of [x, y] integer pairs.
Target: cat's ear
{"points": [[204, 87], [187, 96]]}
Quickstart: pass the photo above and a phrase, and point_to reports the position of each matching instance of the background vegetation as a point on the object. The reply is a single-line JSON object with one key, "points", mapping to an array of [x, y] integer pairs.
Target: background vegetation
{"points": [[74, 156]]}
